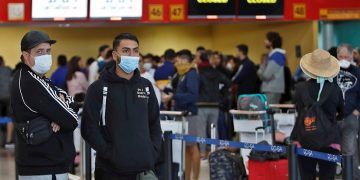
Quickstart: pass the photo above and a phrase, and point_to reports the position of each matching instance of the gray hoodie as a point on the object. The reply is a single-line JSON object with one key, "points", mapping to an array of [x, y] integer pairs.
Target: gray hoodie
{"points": [[271, 73]]}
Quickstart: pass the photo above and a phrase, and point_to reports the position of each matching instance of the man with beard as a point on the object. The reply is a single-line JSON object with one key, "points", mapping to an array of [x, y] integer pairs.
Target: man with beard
{"points": [[271, 73]]}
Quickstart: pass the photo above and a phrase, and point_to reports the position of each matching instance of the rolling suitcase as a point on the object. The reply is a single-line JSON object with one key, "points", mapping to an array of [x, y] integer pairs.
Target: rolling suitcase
{"points": [[268, 170]]}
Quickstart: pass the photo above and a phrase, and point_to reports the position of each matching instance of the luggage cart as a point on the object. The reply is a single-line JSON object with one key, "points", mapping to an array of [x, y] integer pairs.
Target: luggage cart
{"points": [[284, 117], [248, 129], [175, 121], [84, 149]]}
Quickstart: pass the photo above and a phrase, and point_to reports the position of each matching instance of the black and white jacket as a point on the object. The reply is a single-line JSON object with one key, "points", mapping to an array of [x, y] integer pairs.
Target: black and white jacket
{"points": [[33, 96]]}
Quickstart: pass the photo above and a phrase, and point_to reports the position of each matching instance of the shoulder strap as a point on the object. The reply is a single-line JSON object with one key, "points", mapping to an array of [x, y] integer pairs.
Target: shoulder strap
{"points": [[325, 93], [327, 90], [103, 107], [308, 101]]}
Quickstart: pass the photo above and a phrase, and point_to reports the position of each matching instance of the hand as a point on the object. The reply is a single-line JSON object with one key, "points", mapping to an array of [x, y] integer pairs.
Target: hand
{"points": [[55, 127], [356, 113], [61, 96], [167, 97]]}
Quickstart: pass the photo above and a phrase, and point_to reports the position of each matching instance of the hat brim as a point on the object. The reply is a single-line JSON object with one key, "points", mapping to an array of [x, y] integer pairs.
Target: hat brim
{"points": [[329, 71], [48, 41]]}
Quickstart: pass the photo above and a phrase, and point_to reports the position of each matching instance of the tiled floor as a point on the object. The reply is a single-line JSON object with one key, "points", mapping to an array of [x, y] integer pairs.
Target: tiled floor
{"points": [[7, 166]]}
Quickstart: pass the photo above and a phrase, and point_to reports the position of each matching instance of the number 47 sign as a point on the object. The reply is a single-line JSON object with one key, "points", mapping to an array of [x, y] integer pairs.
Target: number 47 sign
{"points": [[176, 12]]}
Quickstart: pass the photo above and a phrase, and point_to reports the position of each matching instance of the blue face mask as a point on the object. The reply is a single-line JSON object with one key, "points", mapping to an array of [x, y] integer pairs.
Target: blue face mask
{"points": [[129, 63], [42, 64]]}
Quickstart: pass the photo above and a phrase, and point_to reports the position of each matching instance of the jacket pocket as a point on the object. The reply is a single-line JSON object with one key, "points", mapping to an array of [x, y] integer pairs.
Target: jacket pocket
{"points": [[133, 155], [50, 152]]}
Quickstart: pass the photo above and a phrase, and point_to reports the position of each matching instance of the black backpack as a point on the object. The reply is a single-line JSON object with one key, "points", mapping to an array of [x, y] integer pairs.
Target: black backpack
{"points": [[316, 131], [226, 166]]}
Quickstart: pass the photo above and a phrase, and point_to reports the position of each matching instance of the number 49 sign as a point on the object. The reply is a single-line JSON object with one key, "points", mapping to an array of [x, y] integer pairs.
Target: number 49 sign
{"points": [[176, 12]]}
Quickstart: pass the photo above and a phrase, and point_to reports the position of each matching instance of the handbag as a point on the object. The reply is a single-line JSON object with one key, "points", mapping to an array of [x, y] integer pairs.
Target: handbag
{"points": [[148, 175], [35, 131]]}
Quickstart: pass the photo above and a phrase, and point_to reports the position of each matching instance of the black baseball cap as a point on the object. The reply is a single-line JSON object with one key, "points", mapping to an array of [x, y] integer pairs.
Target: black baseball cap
{"points": [[34, 38]]}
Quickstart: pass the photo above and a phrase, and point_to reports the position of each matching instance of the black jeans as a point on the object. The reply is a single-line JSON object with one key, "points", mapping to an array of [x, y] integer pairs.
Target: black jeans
{"points": [[101, 174], [4, 107], [327, 170]]}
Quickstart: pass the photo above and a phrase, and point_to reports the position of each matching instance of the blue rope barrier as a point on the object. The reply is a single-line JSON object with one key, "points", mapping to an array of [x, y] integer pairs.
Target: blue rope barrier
{"points": [[257, 147], [318, 155], [5, 120], [224, 143]]}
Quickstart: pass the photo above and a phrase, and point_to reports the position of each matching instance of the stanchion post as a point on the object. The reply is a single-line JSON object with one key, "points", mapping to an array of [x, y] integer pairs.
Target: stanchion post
{"points": [[292, 160], [213, 136], [347, 167], [87, 162], [16, 168], [168, 155], [271, 112]]}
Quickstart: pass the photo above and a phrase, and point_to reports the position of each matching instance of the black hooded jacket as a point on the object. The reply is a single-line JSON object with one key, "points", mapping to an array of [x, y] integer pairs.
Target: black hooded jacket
{"points": [[33, 96], [212, 82], [130, 141]]}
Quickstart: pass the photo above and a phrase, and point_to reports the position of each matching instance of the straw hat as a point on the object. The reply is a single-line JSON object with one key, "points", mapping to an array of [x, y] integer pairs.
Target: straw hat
{"points": [[319, 63]]}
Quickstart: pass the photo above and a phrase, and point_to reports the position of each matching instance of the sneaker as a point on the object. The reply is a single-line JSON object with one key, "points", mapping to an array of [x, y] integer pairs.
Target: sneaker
{"points": [[9, 145]]}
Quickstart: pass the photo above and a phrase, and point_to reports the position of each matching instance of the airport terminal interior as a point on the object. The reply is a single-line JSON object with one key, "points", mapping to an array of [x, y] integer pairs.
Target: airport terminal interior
{"points": [[227, 81]]}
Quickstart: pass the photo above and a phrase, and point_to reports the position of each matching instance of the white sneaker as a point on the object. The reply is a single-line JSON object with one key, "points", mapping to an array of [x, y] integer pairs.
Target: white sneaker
{"points": [[9, 146]]}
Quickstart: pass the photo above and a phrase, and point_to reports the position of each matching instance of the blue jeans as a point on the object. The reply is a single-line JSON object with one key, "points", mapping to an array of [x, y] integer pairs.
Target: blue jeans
{"points": [[223, 127], [349, 130], [64, 176]]}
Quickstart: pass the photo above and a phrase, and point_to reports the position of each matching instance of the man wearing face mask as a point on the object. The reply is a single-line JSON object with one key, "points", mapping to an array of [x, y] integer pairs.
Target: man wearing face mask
{"points": [[121, 117], [148, 65], [33, 96], [348, 81]]}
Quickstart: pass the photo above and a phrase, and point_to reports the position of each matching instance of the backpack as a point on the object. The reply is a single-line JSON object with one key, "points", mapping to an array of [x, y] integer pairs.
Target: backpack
{"points": [[226, 166], [266, 155], [254, 102], [314, 128]]}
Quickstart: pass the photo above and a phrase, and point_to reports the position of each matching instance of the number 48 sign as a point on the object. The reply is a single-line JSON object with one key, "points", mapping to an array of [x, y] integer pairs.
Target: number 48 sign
{"points": [[176, 12], [299, 10]]}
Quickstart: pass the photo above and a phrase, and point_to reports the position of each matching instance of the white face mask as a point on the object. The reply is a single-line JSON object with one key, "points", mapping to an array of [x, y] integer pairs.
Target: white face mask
{"points": [[147, 66], [344, 63], [42, 64], [229, 66]]}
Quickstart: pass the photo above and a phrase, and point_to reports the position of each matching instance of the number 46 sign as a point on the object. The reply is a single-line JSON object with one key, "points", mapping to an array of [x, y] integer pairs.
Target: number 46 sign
{"points": [[156, 12]]}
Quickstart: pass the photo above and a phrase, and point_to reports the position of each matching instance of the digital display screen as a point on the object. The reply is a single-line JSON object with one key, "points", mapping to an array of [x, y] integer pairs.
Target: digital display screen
{"points": [[252, 8], [128, 9], [216, 8], [59, 9]]}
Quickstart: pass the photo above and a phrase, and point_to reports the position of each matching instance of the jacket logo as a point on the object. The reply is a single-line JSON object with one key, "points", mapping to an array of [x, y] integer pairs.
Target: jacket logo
{"points": [[141, 93], [346, 80], [309, 123]]}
